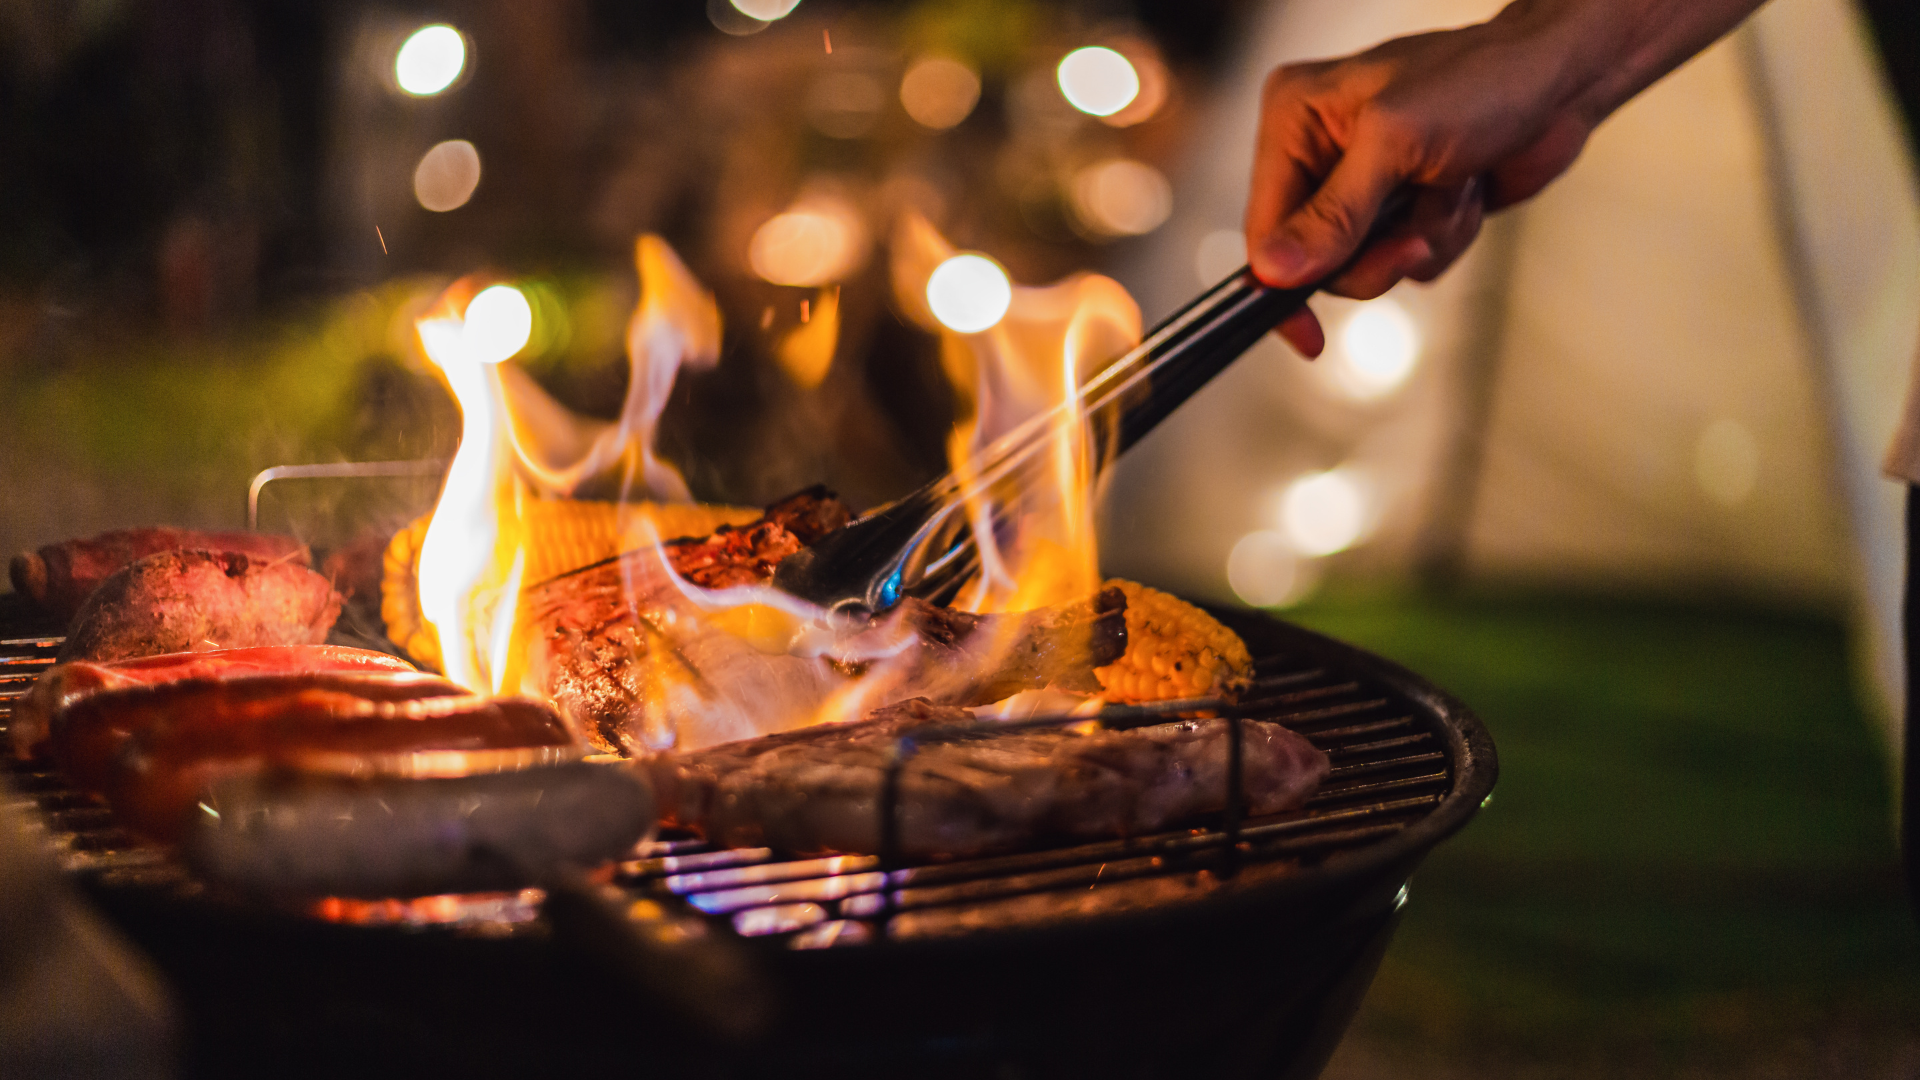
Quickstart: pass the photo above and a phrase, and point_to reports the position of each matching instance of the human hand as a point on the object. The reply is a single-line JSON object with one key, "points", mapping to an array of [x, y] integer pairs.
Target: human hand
{"points": [[1471, 120]]}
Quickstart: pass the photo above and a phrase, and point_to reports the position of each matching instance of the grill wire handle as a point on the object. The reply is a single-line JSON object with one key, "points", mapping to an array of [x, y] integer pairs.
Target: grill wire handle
{"points": [[920, 544]]}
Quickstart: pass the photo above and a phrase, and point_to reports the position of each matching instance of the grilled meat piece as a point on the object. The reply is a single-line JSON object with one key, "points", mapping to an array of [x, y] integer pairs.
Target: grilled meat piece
{"points": [[178, 601], [638, 665], [305, 835], [818, 790], [162, 774], [58, 578], [88, 736], [66, 684], [747, 554]]}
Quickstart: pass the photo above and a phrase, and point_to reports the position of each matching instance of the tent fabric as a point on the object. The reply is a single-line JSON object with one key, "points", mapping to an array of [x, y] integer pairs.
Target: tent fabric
{"points": [[1676, 369]]}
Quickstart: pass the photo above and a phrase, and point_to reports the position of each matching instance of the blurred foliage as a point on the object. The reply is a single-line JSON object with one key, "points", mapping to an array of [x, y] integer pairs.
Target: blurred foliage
{"points": [[1688, 858]]}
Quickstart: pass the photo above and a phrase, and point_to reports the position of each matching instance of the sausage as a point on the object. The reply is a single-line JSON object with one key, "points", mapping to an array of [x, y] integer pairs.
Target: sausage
{"points": [[179, 601], [87, 736], [66, 684], [285, 834], [58, 578], [161, 774]]}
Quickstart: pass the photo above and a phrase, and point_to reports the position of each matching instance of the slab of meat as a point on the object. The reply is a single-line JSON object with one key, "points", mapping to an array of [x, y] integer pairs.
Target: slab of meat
{"points": [[58, 578], [638, 666], [208, 734], [179, 601], [818, 790], [89, 735], [65, 684]]}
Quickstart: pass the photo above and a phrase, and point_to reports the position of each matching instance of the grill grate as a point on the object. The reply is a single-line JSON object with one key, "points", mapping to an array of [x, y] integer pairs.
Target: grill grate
{"points": [[1390, 770]]}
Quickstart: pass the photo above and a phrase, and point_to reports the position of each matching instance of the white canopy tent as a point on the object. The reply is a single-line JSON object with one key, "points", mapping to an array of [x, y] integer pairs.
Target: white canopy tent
{"points": [[1676, 369]]}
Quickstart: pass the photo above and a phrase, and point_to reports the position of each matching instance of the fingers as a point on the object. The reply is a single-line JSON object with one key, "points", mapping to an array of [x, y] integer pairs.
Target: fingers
{"points": [[1323, 233], [1440, 224], [1303, 331]]}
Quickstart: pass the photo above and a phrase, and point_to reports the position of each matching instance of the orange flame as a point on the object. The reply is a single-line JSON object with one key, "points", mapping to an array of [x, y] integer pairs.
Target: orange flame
{"points": [[518, 444], [1037, 538]]}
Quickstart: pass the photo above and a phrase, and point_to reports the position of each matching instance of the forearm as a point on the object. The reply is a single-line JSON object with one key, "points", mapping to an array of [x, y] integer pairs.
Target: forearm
{"points": [[1613, 49]]}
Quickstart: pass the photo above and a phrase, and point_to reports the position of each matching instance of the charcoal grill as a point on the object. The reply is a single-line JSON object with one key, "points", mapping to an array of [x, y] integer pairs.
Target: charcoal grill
{"points": [[1233, 948]]}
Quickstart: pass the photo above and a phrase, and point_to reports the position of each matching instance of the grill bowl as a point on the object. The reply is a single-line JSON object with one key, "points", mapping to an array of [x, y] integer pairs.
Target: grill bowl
{"points": [[1248, 963]]}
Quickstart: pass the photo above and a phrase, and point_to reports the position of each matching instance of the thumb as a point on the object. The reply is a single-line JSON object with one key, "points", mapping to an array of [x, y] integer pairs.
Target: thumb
{"points": [[1322, 234]]}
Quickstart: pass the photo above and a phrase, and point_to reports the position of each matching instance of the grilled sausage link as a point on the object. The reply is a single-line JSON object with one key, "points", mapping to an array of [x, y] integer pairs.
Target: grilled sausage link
{"points": [[330, 836], [65, 685], [161, 774]]}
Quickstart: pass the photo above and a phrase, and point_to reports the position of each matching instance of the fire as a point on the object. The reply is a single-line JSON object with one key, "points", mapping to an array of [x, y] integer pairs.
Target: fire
{"points": [[1036, 535], [790, 664], [518, 445]]}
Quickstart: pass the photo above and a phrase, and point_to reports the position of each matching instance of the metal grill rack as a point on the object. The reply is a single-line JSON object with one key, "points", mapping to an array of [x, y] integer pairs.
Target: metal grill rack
{"points": [[1391, 769]]}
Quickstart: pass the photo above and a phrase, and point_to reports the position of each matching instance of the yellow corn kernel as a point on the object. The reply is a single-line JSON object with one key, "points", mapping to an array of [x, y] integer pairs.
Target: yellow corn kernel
{"points": [[1174, 650], [563, 535]]}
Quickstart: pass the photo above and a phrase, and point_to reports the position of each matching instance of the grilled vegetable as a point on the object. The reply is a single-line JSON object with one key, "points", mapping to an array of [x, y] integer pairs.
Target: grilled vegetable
{"points": [[1174, 650], [566, 534]]}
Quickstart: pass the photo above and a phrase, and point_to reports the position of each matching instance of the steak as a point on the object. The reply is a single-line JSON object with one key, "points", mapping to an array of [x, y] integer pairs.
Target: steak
{"points": [[58, 578], [636, 661], [179, 601], [818, 790]]}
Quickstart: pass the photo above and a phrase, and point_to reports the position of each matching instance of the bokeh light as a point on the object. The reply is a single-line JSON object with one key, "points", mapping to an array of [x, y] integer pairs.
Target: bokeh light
{"points": [[939, 91], [1264, 570], [1219, 253], [447, 176], [969, 293], [766, 10], [1121, 197], [430, 60], [1323, 512], [809, 245], [1098, 81], [1726, 462], [498, 323], [1378, 346]]}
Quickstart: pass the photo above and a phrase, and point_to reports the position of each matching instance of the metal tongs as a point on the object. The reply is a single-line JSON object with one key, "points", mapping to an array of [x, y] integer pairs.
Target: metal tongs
{"points": [[922, 545]]}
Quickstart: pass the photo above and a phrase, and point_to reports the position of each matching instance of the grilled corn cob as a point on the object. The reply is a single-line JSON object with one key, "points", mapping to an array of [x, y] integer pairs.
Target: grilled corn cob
{"points": [[1174, 650], [563, 535]]}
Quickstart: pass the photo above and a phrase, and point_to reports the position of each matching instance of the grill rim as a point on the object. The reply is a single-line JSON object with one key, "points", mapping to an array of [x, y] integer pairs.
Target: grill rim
{"points": [[1468, 751]]}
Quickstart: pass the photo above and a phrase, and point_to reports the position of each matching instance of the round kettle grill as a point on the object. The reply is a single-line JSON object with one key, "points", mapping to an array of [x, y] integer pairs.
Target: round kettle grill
{"points": [[1231, 948]]}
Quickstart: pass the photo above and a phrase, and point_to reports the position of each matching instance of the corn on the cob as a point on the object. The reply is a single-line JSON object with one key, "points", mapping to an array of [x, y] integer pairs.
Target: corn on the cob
{"points": [[562, 535], [1174, 650]]}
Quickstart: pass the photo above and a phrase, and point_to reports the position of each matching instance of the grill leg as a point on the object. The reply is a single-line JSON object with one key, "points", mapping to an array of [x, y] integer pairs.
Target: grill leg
{"points": [[1910, 742]]}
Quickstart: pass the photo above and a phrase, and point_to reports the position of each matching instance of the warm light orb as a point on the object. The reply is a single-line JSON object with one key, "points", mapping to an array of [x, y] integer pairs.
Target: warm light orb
{"points": [[806, 247], [939, 92], [1098, 81], [430, 60], [969, 293], [447, 176], [498, 323], [1264, 570], [1121, 197], [765, 10], [1378, 347], [1323, 512]]}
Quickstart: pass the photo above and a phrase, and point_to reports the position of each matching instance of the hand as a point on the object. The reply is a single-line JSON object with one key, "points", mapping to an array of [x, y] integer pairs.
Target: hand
{"points": [[1472, 120]]}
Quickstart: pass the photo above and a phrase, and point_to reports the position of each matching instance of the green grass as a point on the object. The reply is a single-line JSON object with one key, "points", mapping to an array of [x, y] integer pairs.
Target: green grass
{"points": [[1689, 853]]}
